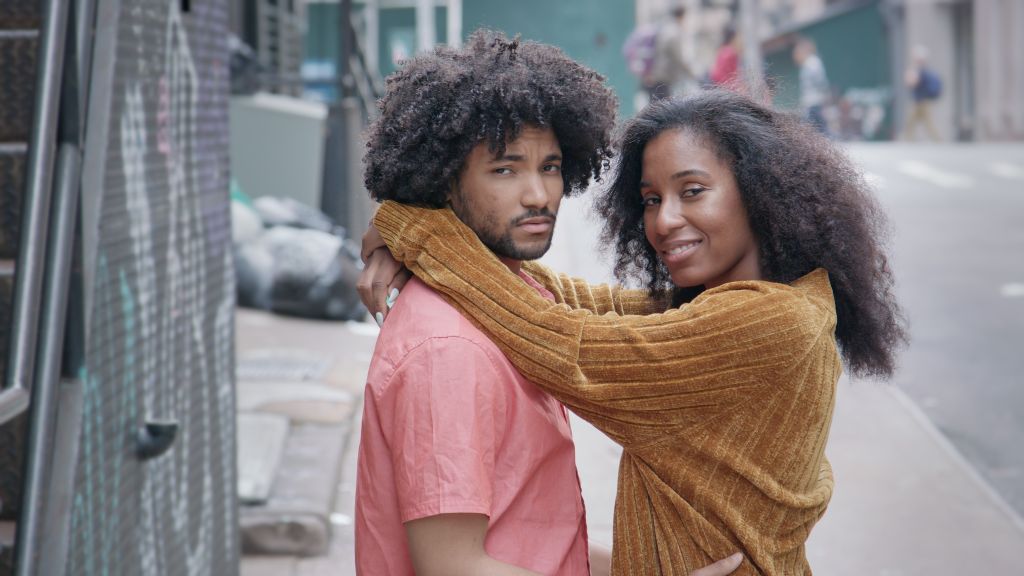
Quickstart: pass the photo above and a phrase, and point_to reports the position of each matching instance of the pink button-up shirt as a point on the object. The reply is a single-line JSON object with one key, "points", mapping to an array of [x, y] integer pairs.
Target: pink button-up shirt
{"points": [[450, 426]]}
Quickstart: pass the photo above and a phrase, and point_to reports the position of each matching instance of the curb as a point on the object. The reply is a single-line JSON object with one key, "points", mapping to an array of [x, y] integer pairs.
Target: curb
{"points": [[957, 457]]}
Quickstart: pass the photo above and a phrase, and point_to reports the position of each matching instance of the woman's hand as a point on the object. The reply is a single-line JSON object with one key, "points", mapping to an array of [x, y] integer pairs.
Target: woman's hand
{"points": [[722, 567], [382, 277], [601, 561]]}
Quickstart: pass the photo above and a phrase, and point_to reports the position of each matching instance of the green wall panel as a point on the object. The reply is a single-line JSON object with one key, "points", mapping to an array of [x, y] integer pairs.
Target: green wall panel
{"points": [[592, 32]]}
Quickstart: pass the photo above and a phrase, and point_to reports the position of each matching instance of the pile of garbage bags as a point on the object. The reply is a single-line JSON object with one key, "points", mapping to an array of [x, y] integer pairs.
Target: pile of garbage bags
{"points": [[293, 259]]}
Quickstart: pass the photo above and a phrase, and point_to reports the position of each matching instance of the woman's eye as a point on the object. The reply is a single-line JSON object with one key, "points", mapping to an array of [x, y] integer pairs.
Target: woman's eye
{"points": [[691, 192], [553, 168], [650, 201], [502, 170]]}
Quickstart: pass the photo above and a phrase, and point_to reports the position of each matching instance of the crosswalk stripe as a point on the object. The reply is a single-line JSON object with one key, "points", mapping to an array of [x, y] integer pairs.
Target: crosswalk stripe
{"points": [[933, 175], [1007, 170], [1014, 290]]}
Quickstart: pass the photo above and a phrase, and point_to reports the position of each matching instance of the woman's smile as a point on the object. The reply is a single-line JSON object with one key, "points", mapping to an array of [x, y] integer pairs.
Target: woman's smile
{"points": [[679, 250]]}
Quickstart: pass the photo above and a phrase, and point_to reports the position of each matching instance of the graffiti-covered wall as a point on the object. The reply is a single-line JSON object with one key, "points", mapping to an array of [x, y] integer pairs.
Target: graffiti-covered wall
{"points": [[160, 329]]}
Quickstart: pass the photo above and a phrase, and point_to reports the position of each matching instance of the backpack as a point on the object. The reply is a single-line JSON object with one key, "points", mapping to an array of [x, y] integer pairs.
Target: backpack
{"points": [[639, 50], [931, 84]]}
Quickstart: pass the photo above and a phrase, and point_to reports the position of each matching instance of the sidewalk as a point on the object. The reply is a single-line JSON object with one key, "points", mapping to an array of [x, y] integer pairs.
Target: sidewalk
{"points": [[906, 503], [300, 385]]}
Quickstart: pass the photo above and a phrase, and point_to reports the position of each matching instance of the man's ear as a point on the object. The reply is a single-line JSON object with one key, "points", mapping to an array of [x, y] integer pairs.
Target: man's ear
{"points": [[453, 190]]}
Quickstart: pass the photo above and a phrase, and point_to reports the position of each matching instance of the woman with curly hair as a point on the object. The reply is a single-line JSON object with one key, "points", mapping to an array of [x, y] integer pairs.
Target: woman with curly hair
{"points": [[765, 246]]}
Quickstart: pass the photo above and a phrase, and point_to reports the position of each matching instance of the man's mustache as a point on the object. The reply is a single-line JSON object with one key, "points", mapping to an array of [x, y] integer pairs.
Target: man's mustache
{"points": [[535, 214]]}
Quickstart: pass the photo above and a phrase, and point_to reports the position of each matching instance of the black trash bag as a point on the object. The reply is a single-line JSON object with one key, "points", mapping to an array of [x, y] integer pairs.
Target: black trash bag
{"points": [[307, 273], [294, 214]]}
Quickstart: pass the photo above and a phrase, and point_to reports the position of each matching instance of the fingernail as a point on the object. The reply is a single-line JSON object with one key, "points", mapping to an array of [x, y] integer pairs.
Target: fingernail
{"points": [[379, 317], [392, 297]]}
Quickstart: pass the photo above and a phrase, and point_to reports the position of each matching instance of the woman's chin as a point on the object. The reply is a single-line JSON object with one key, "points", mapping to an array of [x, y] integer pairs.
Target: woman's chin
{"points": [[684, 279]]}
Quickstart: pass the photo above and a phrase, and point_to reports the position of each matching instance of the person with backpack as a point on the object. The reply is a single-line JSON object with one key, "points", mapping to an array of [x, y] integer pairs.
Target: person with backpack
{"points": [[638, 50], [925, 88], [656, 53]]}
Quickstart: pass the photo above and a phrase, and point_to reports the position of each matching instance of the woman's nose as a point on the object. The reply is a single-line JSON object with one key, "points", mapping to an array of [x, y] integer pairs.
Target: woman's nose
{"points": [[670, 218]]}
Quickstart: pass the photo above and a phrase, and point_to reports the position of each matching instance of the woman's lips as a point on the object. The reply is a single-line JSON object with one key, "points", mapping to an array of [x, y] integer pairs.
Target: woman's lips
{"points": [[679, 251]]}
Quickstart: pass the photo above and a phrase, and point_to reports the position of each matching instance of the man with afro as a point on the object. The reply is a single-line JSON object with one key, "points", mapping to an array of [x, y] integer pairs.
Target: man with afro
{"points": [[464, 466]]}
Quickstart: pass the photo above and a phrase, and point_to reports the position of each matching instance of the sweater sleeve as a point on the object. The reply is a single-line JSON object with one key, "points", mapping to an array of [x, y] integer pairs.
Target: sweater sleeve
{"points": [[633, 377], [577, 293]]}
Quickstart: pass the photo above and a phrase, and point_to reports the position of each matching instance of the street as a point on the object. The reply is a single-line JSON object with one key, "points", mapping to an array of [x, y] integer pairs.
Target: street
{"points": [[959, 260], [957, 247]]}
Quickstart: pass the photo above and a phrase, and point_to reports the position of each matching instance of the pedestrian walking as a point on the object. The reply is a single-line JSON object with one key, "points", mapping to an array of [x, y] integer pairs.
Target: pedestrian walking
{"points": [[638, 50], [672, 70], [762, 244], [925, 89], [725, 73], [814, 87]]}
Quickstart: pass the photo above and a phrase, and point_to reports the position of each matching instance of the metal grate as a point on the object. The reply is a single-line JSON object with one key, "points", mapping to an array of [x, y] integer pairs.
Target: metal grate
{"points": [[20, 14], [160, 339], [12, 185], [12, 465], [17, 83]]}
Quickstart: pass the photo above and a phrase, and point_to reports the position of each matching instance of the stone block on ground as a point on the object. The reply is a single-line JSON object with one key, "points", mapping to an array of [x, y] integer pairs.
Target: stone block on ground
{"points": [[267, 566], [298, 401], [261, 441], [296, 518]]}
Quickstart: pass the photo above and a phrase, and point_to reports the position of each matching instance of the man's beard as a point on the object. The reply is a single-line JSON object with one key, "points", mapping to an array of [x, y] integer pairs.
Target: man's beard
{"points": [[502, 244]]}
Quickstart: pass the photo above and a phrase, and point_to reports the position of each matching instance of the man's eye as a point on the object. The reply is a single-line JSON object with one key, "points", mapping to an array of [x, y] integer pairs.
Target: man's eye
{"points": [[552, 168], [502, 170]]}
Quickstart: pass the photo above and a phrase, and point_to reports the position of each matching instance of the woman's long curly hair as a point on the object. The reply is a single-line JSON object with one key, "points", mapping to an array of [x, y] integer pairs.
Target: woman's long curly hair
{"points": [[440, 105], [807, 204]]}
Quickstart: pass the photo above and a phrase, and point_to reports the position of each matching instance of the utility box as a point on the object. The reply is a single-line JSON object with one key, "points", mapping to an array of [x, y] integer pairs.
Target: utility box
{"points": [[277, 146]]}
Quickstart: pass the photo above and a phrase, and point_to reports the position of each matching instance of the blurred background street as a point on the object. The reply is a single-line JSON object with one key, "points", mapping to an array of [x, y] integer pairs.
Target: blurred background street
{"points": [[182, 350]]}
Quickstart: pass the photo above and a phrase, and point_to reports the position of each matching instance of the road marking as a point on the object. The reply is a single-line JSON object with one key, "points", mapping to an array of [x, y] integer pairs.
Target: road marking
{"points": [[933, 175], [874, 180], [1012, 290], [1007, 170]]}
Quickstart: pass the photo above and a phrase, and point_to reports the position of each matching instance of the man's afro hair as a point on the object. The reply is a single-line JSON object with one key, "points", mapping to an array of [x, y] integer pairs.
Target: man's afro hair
{"points": [[440, 105]]}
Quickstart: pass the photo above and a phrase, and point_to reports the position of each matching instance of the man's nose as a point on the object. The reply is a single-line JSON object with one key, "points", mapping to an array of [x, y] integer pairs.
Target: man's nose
{"points": [[535, 194]]}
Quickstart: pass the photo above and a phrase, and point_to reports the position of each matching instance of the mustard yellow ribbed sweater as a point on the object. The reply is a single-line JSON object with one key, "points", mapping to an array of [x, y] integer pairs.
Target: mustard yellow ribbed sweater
{"points": [[722, 406]]}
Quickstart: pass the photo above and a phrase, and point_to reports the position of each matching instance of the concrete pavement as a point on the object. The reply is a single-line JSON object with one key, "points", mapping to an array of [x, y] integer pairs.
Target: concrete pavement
{"points": [[310, 374]]}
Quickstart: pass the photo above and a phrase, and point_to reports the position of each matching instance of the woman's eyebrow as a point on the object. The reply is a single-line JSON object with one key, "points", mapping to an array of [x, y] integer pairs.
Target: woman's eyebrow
{"points": [[690, 172]]}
